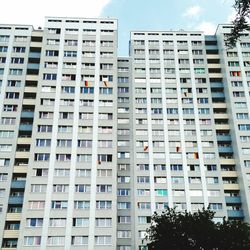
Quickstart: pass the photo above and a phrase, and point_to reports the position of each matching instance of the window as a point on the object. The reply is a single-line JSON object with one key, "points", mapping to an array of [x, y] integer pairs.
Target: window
{"points": [[60, 188], [79, 240], [43, 142], [6, 134], [34, 222], [103, 222], [87, 90], [17, 60], [12, 95], [68, 89], [65, 129], [144, 205], [103, 204], [64, 143], [122, 234], [44, 128], [4, 162], [84, 157], [19, 49], [32, 240], [48, 76], [123, 192], [5, 147], [38, 188], [235, 73], [36, 205], [42, 157], [82, 188], [57, 222], [2, 60], [56, 240], [215, 206], [102, 240], [3, 177], [61, 172], [82, 204], [59, 204], [244, 127], [51, 53], [3, 48], [80, 222]]}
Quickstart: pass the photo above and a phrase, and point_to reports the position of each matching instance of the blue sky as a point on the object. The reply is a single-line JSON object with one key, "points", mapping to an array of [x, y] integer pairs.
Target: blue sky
{"points": [[131, 14], [166, 14]]}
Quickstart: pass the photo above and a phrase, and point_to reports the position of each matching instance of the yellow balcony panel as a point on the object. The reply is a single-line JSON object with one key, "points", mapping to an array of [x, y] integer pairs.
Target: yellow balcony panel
{"points": [[215, 75], [219, 105], [227, 161], [20, 169], [11, 234], [213, 56], [222, 126], [29, 101], [221, 116], [32, 77], [24, 140], [36, 44], [30, 89], [231, 186], [214, 66], [13, 216], [229, 174], [9, 248], [22, 154]]}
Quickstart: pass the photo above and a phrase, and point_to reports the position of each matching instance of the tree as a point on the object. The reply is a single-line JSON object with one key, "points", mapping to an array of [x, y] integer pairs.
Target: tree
{"points": [[240, 23], [174, 230]]}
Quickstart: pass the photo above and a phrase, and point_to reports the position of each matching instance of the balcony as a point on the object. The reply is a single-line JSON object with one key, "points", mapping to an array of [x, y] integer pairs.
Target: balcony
{"points": [[16, 200], [235, 213], [33, 66], [233, 199], [18, 184], [34, 55], [25, 127], [223, 137], [217, 85], [27, 114], [218, 95], [211, 47], [14, 216], [225, 149], [11, 233]]}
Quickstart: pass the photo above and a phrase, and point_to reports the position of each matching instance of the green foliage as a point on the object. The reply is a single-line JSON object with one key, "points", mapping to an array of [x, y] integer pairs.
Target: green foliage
{"points": [[184, 231], [240, 23]]}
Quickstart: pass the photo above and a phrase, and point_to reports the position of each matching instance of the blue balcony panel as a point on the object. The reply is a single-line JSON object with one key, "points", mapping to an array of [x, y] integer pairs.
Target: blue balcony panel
{"points": [[223, 137], [225, 149], [18, 184], [235, 213], [233, 199], [27, 114], [217, 85], [25, 127], [15, 200], [33, 66], [211, 47], [34, 55], [218, 95]]}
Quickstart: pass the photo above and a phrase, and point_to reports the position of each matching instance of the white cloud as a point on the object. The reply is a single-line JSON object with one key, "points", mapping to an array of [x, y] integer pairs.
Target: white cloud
{"points": [[193, 11], [33, 12], [231, 17], [207, 27]]}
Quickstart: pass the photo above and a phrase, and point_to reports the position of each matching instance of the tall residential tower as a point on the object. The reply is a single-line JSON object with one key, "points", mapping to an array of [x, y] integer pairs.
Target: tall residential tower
{"points": [[91, 144]]}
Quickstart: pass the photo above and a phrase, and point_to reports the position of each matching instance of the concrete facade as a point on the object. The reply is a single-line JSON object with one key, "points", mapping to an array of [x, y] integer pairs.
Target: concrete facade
{"points": [[91, 144]]}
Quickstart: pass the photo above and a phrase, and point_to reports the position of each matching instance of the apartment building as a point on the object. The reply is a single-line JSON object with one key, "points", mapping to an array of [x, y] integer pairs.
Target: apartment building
{"points": [[91, 144]]}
